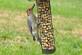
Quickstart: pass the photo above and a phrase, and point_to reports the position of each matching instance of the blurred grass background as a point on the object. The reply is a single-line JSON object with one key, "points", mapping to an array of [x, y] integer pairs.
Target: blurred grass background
{"points": [[15, 38]]}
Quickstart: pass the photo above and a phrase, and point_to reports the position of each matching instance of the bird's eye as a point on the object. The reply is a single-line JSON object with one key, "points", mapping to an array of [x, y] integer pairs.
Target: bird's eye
{"points": [[28, 9]]}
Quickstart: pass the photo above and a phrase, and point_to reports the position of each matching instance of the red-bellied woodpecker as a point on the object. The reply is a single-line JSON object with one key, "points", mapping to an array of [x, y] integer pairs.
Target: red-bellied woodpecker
{"points": [[32, 22]]}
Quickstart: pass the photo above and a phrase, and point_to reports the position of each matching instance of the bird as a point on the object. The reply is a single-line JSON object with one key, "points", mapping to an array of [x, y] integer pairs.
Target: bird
{"points": [[32, 22]]}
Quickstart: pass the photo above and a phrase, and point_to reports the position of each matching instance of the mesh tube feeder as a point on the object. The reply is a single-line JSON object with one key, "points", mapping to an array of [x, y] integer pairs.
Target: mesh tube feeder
{"points": [[45, 27]]}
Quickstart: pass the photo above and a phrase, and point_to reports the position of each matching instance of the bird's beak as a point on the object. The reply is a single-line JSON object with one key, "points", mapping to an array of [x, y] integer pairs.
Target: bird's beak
{"points": [[33, 6]]}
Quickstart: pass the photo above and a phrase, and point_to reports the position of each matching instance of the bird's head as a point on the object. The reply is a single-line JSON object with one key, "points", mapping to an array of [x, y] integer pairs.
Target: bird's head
{"points": [[30, 10]]}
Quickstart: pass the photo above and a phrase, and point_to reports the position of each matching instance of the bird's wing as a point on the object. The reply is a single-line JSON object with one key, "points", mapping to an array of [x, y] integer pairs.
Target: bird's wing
{"points": [[30, 26]]}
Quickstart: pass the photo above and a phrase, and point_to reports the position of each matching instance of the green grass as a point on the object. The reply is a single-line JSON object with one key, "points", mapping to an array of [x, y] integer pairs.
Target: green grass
{"points": [[15, 38], [14, 4], [67, 8]]}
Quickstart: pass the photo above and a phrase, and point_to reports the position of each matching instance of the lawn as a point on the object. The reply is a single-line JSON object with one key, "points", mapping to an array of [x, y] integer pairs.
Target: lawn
{"points": [[15, 38]]}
